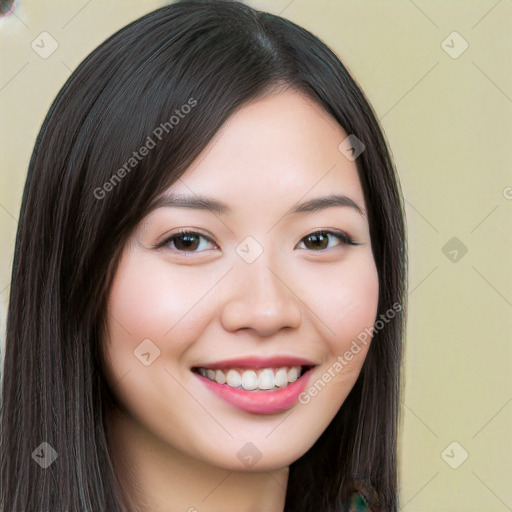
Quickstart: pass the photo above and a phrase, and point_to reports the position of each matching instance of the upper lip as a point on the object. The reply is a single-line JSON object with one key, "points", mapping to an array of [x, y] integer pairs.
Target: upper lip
{"points": [[259, 362]]}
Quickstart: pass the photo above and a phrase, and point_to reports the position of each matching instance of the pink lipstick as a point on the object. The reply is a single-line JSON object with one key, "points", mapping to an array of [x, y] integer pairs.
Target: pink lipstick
{"points": [[257, 385]]}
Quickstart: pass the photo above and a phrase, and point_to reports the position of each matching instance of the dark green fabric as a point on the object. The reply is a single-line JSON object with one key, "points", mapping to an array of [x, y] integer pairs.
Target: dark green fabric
{"points": [[358, 503]]}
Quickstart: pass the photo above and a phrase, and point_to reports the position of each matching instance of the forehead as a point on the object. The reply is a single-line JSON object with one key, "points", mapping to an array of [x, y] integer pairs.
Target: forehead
{"points": [[281, 148]]}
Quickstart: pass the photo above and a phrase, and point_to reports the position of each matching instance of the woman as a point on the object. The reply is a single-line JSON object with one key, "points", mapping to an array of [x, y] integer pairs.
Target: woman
{"points": [[207, 302]]}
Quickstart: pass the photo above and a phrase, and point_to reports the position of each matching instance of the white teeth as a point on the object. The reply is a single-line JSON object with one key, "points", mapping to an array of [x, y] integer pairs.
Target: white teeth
{"points": [[293, 374], [263, 379], [233, 379], [281, 378], [266, 379], [220, 377], [249, 380]]}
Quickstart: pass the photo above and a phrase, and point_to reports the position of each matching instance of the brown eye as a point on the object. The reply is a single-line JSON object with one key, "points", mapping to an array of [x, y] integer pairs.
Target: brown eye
{"points": [[186, 242], [319, 240]]}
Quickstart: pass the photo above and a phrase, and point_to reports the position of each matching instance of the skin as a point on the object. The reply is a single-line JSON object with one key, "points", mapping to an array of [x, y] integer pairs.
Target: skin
{"points": [[174, 443]]}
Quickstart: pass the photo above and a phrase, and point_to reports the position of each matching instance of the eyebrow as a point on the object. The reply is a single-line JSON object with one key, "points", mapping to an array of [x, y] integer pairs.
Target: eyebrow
{"points": [[199, 202]]}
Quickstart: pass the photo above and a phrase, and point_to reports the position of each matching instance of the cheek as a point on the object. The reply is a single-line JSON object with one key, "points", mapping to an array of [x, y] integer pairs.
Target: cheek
{"points": [[157, 312], [147, 302], [346, 303], [347, 307]]}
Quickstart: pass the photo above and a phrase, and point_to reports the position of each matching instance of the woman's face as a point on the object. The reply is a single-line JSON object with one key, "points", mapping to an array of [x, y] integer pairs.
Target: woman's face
{"points": [[247, 294]]}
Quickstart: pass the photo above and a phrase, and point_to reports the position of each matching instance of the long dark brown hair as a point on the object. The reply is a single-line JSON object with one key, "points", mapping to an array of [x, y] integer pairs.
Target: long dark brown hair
{"points": [[79, 208]]}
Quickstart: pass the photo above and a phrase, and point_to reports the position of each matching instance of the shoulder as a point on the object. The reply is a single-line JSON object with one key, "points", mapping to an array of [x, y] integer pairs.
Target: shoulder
{"points": [[358, 503]]}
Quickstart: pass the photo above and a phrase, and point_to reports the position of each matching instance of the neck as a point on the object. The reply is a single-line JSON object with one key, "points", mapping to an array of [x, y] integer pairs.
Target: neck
{"points": [[157, 477]]}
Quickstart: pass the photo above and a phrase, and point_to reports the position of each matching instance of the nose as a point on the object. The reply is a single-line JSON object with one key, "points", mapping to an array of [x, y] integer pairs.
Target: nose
{"points": [[260, 299]]}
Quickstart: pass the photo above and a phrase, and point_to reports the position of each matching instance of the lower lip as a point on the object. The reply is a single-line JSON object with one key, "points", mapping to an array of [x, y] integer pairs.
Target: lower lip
{"points": [[259, 402]]}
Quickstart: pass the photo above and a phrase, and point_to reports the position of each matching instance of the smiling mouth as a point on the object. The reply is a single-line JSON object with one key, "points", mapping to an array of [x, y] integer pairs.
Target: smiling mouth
{"points": [[254, 379]]}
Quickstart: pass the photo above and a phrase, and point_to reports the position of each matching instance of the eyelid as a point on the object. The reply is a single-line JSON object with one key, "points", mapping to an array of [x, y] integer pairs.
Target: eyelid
{"points": [[344, 237], [182, 232]]}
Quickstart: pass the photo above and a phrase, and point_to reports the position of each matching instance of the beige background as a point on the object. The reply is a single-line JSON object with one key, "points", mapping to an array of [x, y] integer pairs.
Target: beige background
{"points": [[449, 126]]}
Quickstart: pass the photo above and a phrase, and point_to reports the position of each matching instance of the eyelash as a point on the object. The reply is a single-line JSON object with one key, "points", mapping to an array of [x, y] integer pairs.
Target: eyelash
{"points": [[343, 237]]}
